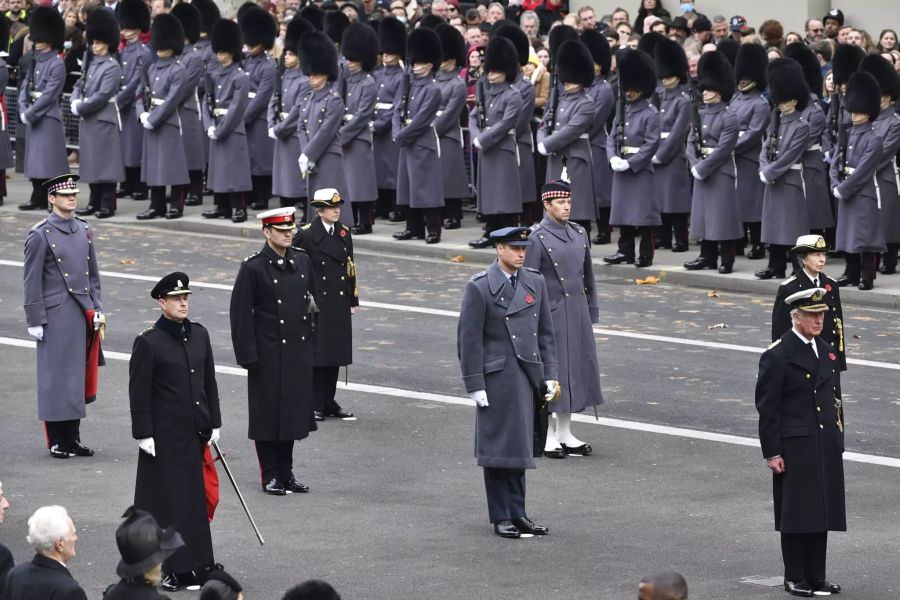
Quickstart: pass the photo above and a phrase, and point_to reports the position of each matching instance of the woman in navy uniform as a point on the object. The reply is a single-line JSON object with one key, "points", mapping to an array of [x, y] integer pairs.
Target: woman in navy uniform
{"points": [[93, 100], [860, 228], [223, 117], [192, 135], [388, 79], [420, 183], [715, 213], [40, 93], [163, 163]]}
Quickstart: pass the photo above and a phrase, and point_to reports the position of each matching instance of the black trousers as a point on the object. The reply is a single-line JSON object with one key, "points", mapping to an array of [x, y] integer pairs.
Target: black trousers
{"points": [[889, 258], [627, 234], [419, 220], [674, 227], [195, 187], [603, 221], [262, 189], [494, 222], [505, 490], [158, 197], [804, 556], [364, 212], [586, 223], [387, 202], [299, 202], [63, 434], [38, 196], [755, 231], [778, 257], [860, 267], [276, 460], [532, 212], [102, 195], [324, 388], [725, 249], [453, 208], [133, 183], [228, 201]]}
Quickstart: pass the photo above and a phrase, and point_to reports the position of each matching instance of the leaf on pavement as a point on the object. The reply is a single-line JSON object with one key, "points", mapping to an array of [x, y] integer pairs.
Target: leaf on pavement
{"points": [[712, 294], [458, 259], [718, 326], [649, 279], [127, 261]]}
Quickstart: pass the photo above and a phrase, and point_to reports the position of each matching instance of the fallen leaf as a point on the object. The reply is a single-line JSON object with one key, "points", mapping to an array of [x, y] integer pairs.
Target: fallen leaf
{"points": [[717, 326], [649, 279], [127, 261], [458, 259], [712, 294]]}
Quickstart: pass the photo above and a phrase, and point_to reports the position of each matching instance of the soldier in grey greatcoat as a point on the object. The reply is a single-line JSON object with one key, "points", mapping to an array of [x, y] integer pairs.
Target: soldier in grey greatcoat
{"points": [[447, 124], [321, 114], [388, 79], [41, 90], [566, 141], [420, 183], [162, 160], [284, 113], [715, 213], [259, 30], [94, 101], [360, 48], [860, 228], [63, 310], [634, 205], [507, 354], [7, 160], [671, 170], [192, 135], [492, 124], [228, 174], [209, 15], [561, 251], [785, 217], [753, 113], [134, 19]]}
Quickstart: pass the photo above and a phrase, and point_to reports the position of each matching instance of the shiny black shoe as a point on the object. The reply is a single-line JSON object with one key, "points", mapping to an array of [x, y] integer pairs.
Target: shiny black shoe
{"points": [[361, 229], [395, 217], [406, 234], [452, 223], [139, 196], [149, 214], [273, 487], [318, 415], [768, 273], [617, 259], [886, 270], [798, 588], [57, 452], [80, 449], [601, 239], [582, 450], [216, 213], [679, 247], [725, 269], [295, 487], [105, 213], [482, 242], [122, 193], [643, 261], [757, 252], [87, 210], [555, 453], [844, 281], [28, 206], [865, 284], [525, 525], [239, 215], [825, 586], [193, 200], [256, 205], [340, 413], [433, 238], [699, 263], [506, 529], [173, 213]]}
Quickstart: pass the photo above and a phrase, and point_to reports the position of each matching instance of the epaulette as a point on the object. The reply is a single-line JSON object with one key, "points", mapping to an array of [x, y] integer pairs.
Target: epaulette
{"points": [[533, 270], [479, 275], [576, 227], [345, 227], [536, 227], [39, 224], [196, 324], [789, 279], [307, 226], [77, 218], [653, 108], [148, 330], [254, 255], [773, 344]]}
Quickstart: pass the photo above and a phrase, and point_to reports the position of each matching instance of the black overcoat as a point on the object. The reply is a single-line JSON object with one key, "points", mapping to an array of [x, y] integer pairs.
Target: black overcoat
{"points": [[40, 579], [833, 328], [126, 590]]}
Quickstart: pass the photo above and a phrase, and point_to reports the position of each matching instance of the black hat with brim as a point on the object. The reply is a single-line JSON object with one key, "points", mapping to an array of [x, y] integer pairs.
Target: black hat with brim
{"points": [[173, 284], [143, 544], [510, 236]]}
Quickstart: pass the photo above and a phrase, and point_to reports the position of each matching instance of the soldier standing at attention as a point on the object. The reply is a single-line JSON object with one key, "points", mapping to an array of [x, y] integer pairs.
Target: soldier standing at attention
{"points": [[507, 354], [388, 78], [209, 15], [7, 160]]}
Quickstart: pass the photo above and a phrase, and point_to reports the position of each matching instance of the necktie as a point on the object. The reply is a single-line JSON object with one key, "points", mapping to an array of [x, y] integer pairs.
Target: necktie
{"points": [[513, 280], [331, 230], [816, 282], [812, 348]]}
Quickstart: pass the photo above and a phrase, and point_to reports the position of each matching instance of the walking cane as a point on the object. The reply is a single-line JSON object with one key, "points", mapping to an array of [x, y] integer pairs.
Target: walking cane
{"points": [[240, 496]]}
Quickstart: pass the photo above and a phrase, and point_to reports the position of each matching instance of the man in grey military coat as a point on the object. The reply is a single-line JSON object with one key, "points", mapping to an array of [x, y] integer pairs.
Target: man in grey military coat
{"points": [[507, 354], [134, 20], [63, 313]]}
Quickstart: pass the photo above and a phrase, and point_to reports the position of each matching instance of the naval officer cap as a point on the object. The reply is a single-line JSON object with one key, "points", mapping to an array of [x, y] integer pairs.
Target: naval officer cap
{"points": [[63, 184], [326, 198], [510, 236], [173, 284], [811, 300], [809, 243], [278, 218]]}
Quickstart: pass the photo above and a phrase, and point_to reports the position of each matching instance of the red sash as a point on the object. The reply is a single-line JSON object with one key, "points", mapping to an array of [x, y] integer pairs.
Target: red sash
{"points": [[92, 359], [210, 483]]}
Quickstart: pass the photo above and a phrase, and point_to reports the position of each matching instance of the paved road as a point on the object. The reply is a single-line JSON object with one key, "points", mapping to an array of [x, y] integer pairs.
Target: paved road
{"points": [[397, 508]]}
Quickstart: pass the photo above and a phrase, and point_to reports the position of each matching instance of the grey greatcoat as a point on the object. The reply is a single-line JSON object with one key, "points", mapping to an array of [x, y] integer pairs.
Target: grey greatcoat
{"points": [[634, 192], [569, 146], [135, 57], [671, 171], [887, 127], [229, 162], [7, 160], [62, 281], [388, 79], [815, 179], [356, 138], [192, 134], [210, 64], [260, 70], [498, 159], [162, 161], [525, 140], [45, 142], [753, 115], [784, 216], [715, 214], [506, 347], [286, 179], [98, 126], [420, 182], [453, 160], [562, 253], [860, 227], [318, 125], [604, 99]]}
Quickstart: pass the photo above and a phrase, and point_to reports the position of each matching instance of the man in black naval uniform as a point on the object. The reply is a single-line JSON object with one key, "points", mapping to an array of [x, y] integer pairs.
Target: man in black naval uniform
{"points": [[272, 328], [174, 416], [801, 431], [330, 246]]}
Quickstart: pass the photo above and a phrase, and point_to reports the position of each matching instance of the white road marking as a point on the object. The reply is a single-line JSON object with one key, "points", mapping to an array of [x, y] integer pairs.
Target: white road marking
{"points": [[724, 438]]}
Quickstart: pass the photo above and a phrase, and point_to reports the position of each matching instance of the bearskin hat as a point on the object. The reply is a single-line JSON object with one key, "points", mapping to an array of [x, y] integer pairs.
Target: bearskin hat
{"points": [[863, 95], [637, 71], [649, 41], [360, 44], [209, 14], [258, 28], [729, 47], [423, 46], [430, 21], [501, 56], [519, 39], [750, 64], [716, 73], [453, 46], [845, 62], [226, 37], [296, 29], [808, 63], [47, 27], [557, 36], [243, 9], [392, 37], [318, 55], [314, 15], [190, 19], [671, 61], [574, 63], [133, 14], [166, 33], [786, 82], [334, 24], [598, 46], [102, 26], [884, 74]]}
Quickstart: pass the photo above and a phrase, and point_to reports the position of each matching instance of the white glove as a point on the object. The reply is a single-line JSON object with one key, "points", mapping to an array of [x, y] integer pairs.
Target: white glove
{"points": [[619, 164], [655, 160], [834, 192], [74, 106], [552, 386], [272, 133], [211, 132], [479, 397], [214, 436], [763, 178], [37, 332], [303, 162], [542, 149], [828, 157], [477, 143], [23, 118], [98, 318], [148, 446], [696, 174], [145, 120]]}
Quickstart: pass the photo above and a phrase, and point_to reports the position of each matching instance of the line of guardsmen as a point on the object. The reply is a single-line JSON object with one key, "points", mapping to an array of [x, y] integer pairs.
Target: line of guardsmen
{"points": [[744, 155]]}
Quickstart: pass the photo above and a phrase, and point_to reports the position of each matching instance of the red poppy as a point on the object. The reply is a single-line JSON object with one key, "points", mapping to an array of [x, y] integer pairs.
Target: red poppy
{"points": [[827, 287], [343, 233], [832, 356], [529, 299]]}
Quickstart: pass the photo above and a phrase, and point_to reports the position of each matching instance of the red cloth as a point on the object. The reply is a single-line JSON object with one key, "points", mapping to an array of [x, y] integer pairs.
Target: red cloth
{"points": [[210, 483], [92, 359]]}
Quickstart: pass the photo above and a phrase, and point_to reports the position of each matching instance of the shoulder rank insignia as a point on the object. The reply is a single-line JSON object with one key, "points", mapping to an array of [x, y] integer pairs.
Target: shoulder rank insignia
{"points": [[251, 256], [773, 344], [788, 280], [149, 329], [533, 270], [307, 226], [479, 275], [39, 224]]}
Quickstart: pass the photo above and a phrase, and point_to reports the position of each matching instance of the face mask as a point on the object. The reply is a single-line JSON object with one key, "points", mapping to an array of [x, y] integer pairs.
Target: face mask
{"points": [[687, 7], [67, 44], [401, 19]]}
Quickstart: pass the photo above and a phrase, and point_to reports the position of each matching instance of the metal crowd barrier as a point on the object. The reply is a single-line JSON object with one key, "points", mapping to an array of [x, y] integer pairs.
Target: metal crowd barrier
{"points": [[70, 121]]}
